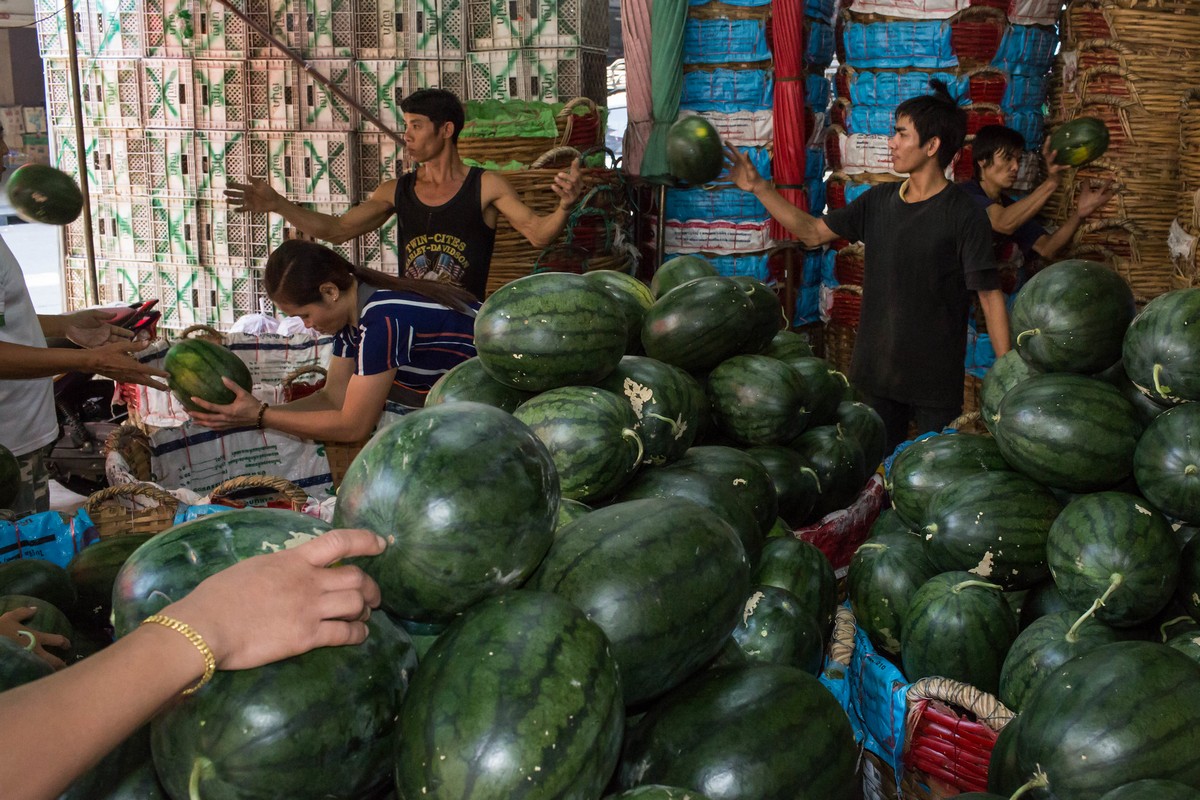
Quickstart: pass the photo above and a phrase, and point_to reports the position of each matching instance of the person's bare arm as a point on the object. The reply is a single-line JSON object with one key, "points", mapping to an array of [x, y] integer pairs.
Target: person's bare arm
{"points": [[100, 701], [541, 231], [365, 217], [1092, 196], [1007, 219], [995, 314], [810, 230], [115, 360]]}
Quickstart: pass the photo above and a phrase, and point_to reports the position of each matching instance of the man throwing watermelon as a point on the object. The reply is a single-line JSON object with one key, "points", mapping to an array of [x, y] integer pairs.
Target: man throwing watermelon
{"points": [[447, 211], [928, 245]]}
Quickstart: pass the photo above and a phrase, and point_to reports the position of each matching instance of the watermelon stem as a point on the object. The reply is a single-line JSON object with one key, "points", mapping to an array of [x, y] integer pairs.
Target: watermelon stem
{"points": [[1162, 629], [1040, 780], [1190, 469], [1163, 391], [628, 432], [677, 428], [1031, 332], [813, 473], [958, 587], [1114, 583], [201, 768]]}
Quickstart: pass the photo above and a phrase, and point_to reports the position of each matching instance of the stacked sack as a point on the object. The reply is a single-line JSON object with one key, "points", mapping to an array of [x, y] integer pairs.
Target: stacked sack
{"points": [[727, 77], [1128, 64]]}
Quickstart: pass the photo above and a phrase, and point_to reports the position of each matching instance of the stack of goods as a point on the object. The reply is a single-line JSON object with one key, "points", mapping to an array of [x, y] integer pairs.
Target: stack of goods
{"points": [[1185, 231], [1128, 64], [25, 133], [993, 57], [1012, 569], [727, 78]]}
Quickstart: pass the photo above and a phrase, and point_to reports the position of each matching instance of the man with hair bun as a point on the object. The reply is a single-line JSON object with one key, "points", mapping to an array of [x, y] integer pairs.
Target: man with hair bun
{"points": [[928, 246]]}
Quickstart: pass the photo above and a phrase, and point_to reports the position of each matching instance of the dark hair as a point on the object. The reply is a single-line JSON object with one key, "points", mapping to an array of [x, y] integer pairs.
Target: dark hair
{"points": [[939, 115], [439, 105], [297, 268], [991, 140]]}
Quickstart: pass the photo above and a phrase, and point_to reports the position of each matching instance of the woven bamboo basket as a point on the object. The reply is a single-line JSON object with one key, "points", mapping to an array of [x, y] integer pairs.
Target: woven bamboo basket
{"points": [[950, 729], [719, 10], [1170, 28], [1189, 160], [294, 388], [114, 511], [259, 490], [133, 444], [839, 345], [846, 305], [580, 132], [975, 34], [202, 332], [849, 264]]}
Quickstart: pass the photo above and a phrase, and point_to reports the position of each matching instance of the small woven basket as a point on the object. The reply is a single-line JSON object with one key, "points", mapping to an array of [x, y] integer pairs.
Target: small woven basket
{"points": [[340, 456], [294, 390], [263, 490], [204, 332], [114, 511]]}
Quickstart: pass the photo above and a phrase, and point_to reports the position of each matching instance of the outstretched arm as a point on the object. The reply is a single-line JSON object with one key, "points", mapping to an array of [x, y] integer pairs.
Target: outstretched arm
{"points": [[293, 594], [1092, 196], [259, 196], [115, 360], [1007, 219], [995, 314], [541, 231], [812, 231]]}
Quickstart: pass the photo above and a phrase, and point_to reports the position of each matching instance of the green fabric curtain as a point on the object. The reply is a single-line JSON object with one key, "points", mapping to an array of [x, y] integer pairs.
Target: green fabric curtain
{"points": [[666, 81]]}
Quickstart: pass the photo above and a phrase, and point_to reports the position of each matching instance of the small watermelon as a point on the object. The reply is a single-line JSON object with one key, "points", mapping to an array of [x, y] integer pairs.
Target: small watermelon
{"points": [[41, 193], [1080, 141], [694, 150]]}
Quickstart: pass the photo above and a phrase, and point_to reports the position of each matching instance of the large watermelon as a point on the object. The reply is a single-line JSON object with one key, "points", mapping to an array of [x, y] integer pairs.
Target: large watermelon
{"points": [[796, 483], [957, 627], [1117, 714], [825, 388], [667, 402], [1166, 462], [694, 150], [47, 618], [1071, 317], [41, 193], [196, 367], [787, 344], [550, 329], [94, 570], [741, 471], [168, 566], [774, 629], [315, 725], [39, 578], [1068, 432], [864, 425], [723, 733], [469, 382], [698, 324], [1007, 371], [800, 568], [768, 313], [1162, 347], [591, 435], [992, 524], [757, 400], [1147, 409], [664, 579], [518, 699], [467, 497], [839, 463], [929, 464], [1111, 549], [1080, 141], [680, 270], [884, 574], [633, 296], [656, 792], [18, 665], [1152, 789], [10, 477]]}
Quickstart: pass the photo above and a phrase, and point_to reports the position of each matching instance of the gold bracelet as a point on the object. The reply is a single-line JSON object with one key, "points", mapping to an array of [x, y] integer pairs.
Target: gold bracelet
{"points": [[210, 662], [261, 410]]}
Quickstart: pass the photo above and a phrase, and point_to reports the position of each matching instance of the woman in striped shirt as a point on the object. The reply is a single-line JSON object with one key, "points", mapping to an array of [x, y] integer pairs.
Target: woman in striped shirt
{"points": [[393, 338]]}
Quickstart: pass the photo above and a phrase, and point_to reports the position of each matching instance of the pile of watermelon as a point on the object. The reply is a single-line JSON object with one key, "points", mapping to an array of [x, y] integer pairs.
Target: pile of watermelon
{"points": [[1052, 563], [591, 587]]}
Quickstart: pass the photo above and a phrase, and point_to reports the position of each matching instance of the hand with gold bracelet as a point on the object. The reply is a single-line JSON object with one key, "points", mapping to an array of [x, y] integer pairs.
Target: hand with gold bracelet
{"points": [[258, 611]]}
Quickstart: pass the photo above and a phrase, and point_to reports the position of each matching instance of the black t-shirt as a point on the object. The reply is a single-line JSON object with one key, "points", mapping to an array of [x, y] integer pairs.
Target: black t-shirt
{"points": [[1023, 238], [922, 260], [451, 242]]}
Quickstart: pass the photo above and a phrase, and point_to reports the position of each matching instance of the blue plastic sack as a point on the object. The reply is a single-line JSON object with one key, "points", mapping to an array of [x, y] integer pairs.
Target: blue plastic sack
{"points": [[1026, 50], [808, 308], [189, 513], [854, 190], [1024, 91], [814, 164], [709, 204], [819, 49], [820, 9], [924, 44], [816, 195], [752, 264], [879, 120], [1030, 123], [879, 702], [890, 89], [723, 41], [727, 90], [818, 92], [48, 535]]}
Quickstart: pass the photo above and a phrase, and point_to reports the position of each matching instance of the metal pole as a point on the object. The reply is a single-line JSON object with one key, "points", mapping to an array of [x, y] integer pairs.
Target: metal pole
{"points": [[324, 81], [91, 294]]}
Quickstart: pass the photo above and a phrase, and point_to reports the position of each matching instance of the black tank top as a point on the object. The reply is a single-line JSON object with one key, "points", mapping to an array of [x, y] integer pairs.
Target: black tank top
{"points": [[450, 242]]}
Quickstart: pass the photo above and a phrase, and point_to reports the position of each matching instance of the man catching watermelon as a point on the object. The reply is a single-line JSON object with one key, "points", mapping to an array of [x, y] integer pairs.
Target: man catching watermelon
{"points": [[928, 245], [447, 211]]}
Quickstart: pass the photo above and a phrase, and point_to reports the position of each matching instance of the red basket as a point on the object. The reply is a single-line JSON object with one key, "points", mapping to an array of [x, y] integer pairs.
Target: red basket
{"points": [[987, 85], [839, 113], [833, 148], [838, 534], [975, 34], [964, 167], [846, 307], [835, 191], [981, 114], [848, 266]]}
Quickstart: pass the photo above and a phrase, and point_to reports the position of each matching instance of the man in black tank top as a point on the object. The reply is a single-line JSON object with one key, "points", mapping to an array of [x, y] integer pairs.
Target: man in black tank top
{"points": [[446, 211]]}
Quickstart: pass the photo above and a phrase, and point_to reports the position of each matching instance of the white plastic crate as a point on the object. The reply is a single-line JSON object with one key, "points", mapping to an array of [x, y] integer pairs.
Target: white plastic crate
{"points": [[273, 88], [379, 248], [172, 157], [326, 28], [496, 24], [168, 28], [75, 285], [380, 158], [108, 88], [450, 75], [379, 29], [380, 85], [226, 293], [123, 227], [224, 235], [63, 155], [180, 288], [219, 33], [497, 75], [219, 89], [567, 23], [116, 27], [119, 164], [433, 29], [278, 17], [167, 93], [57, 75], [52, 28], [221, 157], [174, 229], [268, 231], [320, 108], [309, 167], [127, 282], [562, 74]]}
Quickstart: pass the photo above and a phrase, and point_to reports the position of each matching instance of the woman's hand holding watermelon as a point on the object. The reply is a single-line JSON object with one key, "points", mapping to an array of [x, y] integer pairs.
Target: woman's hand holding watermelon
{"points": [[241, 412]]}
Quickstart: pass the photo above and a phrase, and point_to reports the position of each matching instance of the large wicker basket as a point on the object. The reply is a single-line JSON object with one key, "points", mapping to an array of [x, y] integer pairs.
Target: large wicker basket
{"points": [[122, 510], [259, 490]]}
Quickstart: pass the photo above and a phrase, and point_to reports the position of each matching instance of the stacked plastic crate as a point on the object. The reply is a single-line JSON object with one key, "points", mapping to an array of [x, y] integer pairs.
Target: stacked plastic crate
{"points": [[888, 52], [727, 77], [547, 50]]}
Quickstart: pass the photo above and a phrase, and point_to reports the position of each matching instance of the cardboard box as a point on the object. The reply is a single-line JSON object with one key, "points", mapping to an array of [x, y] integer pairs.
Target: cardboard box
{"points": [[35, 119], [13, 122]]}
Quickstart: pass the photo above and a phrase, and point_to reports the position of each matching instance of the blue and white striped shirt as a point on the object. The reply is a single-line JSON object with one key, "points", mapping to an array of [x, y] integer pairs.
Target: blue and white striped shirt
{"points": [[418, 337]]}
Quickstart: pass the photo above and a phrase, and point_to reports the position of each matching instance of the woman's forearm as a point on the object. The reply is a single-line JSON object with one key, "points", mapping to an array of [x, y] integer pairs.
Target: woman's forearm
{"points": [[322, 425]]}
